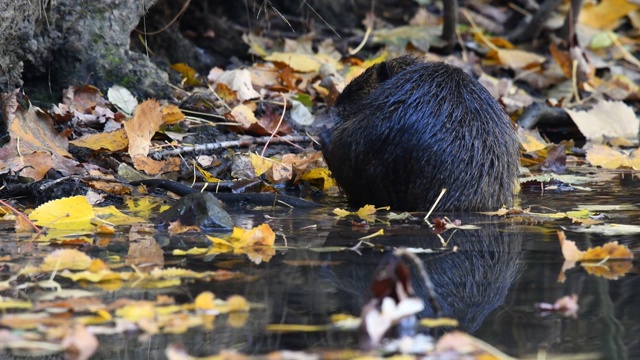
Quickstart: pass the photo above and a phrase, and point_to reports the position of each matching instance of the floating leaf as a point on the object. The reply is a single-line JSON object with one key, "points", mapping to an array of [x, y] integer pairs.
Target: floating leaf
{"points": [[66, 259], [71, 213]]}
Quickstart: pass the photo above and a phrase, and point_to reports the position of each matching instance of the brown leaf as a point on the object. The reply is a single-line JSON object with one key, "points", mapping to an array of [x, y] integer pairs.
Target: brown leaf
{"points": [[155, 167], [145, 252], [32, 131], [83, 98], [141, 128], [610, 250], [34, 165]]}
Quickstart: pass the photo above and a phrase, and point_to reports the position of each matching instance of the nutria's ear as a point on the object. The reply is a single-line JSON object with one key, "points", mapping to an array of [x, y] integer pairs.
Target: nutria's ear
{"points": [[384, 72]]}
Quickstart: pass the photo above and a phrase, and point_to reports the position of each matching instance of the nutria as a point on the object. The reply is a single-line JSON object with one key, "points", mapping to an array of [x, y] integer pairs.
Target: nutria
{"points": [[405, 129]]}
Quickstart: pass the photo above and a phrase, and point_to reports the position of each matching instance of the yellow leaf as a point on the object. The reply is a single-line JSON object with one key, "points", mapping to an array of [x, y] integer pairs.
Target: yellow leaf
{"points": [[303, 62], [606, 157], [15, 304], [204, 301], [66, 259], [296, 328], [220, 241], [71, 213], [366, 211], [114, 216], [320, 174], [206, 175], [192, 251], [341, 212], [578, 214], [112, 141], [137, 311], [439, 322], [611, 250], [519, 59], [244, 116], [259, 235], [531, 140], [237, 233], [189, 75], [171, 114], [99, 276], [606, 14], [237, 303], [260, 165]]}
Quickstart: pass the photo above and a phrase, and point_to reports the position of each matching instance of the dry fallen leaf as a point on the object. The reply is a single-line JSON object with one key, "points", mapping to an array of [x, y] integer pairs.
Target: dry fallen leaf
{"points": [[141, 128], [607, 119], [238, 81], [606, 157], [112, 141], [605, 14], [34, 142]]}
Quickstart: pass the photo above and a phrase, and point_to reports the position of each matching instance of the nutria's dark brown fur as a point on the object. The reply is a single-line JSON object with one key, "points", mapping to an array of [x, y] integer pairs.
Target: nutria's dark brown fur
{"points": [[405, 129]]}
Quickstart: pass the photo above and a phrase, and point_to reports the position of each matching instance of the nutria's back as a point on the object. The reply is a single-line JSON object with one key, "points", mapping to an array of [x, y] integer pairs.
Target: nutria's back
{"points": [[406, 129]]}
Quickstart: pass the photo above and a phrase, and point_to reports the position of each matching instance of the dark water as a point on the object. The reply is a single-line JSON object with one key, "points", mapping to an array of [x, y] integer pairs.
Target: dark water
{"points": [[490, 284]]}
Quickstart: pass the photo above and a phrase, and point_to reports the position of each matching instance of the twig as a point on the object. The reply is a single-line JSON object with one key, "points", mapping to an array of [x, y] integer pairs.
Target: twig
{"points": [[273, 133], [22, 215], [229, 144], [175, 18]]}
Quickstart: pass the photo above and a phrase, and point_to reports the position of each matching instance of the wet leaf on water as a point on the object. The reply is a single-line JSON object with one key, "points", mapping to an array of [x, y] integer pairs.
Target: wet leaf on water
{"points": [[62, 259], [612, 270], [569, 249], [611, 250], [237, 303], [438, 322], [116, 217], [71, 213], [608, 229], [460, 343], [602, 260], [366, 212], [205, 301], [6, 304], [296, 328]]}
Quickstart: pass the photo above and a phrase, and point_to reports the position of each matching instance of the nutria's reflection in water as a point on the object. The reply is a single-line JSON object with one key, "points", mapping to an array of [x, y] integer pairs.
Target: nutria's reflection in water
{"points": [[470, 282]]}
